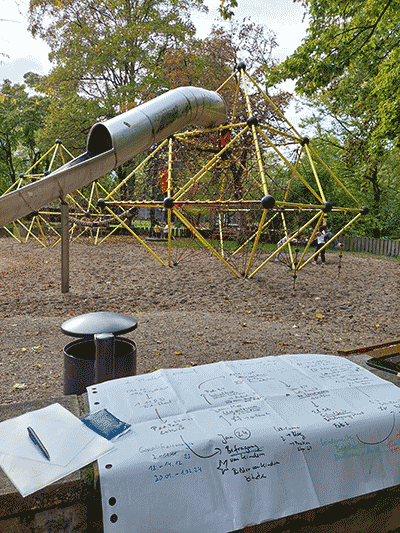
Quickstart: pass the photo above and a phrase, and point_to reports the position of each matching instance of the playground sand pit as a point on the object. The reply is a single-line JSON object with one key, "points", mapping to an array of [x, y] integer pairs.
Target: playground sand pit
{"points": [[193, 313]]}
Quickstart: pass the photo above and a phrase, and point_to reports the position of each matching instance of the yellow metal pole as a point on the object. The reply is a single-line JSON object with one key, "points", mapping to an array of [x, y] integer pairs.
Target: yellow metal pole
{"points": [[256, 145], [285, 244], [203, 241], [30, 233], [68, 152], [310, 241], [246, 97], [41, 231], [255, 140], [96, 237], [256, 241], [139, 167], [59, 236], [272, 104], [20, 183], [292, 139], [327, 243], [12, 186], [235, 100], [17, 230], [54, 156], [226, 81], [91, 235], [222, 188], [169, 219], [169, 193], [100, 186], [292, 177], [134, 235], [221, 238], [74, 239], [169, 176], [108, 234], [314, 171], [75, 202], [92, 191], [29, 230], [44, 221], [293, 169], [11, 233], [41, 159], [207, 167], [335, 177], [195, 133], [253, 236], [287, 237], [61, 155]]}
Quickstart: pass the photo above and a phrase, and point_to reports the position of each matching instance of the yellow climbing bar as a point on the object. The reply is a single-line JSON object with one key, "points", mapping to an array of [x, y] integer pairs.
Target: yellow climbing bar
{"points": [[203, 241]]}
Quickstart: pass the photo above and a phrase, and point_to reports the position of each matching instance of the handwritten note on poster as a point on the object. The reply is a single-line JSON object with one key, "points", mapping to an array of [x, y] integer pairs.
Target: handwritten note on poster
{"points": [[218, 447]]}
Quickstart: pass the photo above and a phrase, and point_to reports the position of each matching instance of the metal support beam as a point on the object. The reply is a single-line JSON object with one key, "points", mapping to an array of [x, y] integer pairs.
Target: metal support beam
{"points": [[64, 247]]}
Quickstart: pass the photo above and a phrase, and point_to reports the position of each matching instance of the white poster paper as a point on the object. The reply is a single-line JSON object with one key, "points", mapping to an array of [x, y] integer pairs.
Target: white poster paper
{"points": [[219, 447]]}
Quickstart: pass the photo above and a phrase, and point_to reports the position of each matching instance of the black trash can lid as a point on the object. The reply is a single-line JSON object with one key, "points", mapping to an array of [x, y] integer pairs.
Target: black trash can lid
{"points": [[90, 324]]}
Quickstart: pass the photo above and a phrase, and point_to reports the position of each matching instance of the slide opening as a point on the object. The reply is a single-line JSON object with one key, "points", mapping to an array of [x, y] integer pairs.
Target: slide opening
{"points": [[99, 140]]}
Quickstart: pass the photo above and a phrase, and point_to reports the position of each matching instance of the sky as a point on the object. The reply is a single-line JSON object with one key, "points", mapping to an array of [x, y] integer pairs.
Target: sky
{"points": [[25, 53], [284, 17]]}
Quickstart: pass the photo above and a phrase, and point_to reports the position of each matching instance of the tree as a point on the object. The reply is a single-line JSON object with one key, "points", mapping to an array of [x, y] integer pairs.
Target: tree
{"points": [[108, 54], [21, 116], [108, 57], [348, 68], [349, 60], [209, 63]]}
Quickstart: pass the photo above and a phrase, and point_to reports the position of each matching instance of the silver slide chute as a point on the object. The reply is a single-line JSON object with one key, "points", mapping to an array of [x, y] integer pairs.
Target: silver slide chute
{"points": [[115, 141]]}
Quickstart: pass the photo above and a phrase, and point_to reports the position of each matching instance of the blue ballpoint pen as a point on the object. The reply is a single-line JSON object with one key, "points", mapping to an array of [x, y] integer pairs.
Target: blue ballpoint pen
{"points": [[35, 439]]}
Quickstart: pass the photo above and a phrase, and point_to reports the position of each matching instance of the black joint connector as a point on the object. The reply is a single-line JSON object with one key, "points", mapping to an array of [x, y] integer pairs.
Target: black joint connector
{"points": [[21, 176], [101, 203], [327, 207], [305, 140], [35, 213], [252, 121], [46, 173], [168, 203], [268, 202], [364, 211], [58, 141], [241, 66]]}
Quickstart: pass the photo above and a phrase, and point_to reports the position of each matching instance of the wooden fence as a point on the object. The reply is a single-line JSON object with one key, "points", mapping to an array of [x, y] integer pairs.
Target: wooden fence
{"points": [[371, 245]]}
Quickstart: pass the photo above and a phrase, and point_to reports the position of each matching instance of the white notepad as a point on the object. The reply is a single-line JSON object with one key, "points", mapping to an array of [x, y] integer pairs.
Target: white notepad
{"points": [[71, 445]]}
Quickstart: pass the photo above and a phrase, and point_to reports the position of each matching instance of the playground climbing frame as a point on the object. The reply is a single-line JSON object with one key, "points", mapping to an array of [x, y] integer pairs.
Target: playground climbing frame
{"points": [[236, 190], [223, 186]]}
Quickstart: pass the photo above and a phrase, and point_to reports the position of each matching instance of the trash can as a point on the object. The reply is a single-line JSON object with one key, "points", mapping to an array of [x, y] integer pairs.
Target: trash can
{"points": [[99, 354]]}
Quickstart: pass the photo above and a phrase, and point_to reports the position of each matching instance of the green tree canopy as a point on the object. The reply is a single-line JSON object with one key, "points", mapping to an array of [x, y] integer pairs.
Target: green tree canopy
{"points": [[112, 55], [209, 62], [107, 55], [348, 68], [21, 116], [349, 60]]}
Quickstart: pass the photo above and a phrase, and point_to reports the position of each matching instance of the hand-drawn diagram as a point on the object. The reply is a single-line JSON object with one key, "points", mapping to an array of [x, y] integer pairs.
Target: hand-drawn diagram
{"points": [[301, 430]]}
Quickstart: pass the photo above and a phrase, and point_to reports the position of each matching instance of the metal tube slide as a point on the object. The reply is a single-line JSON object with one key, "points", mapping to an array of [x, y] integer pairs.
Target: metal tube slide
{"points": [[115, 141]]}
